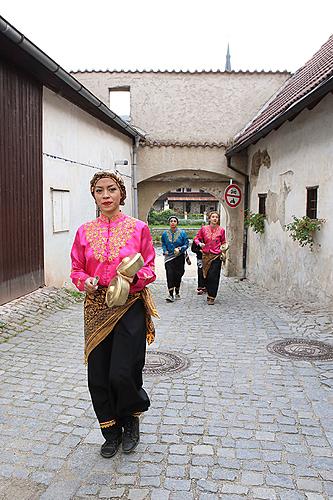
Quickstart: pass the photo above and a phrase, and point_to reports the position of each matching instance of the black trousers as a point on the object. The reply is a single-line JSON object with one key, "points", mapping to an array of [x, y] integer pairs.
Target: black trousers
{"points": [[201, 279], [115, 370], [175, 269], [213, 278]]}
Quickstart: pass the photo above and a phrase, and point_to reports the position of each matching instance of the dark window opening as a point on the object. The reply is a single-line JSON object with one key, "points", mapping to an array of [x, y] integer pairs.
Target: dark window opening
{"points": [[262, 203], [188, 207], [202, 209], [311, 202]]}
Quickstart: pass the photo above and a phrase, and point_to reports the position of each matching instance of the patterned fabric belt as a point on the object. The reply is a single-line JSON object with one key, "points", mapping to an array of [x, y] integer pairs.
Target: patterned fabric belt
{"points": [[100, 320], [207, 259]]}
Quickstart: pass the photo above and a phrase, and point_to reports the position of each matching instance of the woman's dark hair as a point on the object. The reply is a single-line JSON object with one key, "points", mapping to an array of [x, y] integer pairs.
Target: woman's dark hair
{"points": [[173, 217], [116, 178]]}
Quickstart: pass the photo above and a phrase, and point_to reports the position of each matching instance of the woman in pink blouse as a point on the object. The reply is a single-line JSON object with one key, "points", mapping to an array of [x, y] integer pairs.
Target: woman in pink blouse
{"points": [[115, 338], [210, 238]]}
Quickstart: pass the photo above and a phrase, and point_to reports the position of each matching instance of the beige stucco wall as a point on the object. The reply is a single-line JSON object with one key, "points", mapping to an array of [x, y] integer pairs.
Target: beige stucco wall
{"points": [[69, 132], [189, 106], [301, 154]]}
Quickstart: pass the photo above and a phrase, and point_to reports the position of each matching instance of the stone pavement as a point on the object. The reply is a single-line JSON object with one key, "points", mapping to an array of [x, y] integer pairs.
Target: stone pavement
{"points": [[238, 423]]}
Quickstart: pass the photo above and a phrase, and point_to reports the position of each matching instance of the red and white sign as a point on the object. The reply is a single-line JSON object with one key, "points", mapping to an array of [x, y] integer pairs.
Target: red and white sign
{"points": [[233, 195]]}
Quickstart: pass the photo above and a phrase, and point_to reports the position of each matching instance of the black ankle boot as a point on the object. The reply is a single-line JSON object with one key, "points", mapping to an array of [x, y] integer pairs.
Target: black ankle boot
{"points": [[112, 443], [131, 435]]}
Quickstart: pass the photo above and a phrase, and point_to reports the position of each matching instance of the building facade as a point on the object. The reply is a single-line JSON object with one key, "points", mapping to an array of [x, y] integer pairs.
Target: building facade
{"points": [[187, 119], [54, 135], [290, 167]]}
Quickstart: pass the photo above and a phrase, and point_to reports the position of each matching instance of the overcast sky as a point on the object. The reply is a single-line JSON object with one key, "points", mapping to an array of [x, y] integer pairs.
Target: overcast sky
{"points": [[174, 34]]}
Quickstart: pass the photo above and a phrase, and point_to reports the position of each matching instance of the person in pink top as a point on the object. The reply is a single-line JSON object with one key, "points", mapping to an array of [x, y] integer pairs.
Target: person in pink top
{"points": [[115, 338], [210, 239]]}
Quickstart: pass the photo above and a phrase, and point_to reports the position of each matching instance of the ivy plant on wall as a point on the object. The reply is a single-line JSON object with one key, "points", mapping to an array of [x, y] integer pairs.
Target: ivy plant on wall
{"points": [[303, 230], [255, 221]]}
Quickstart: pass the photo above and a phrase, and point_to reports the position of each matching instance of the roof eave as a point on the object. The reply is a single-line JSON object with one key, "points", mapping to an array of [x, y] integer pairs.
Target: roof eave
{"points": [[316, 94], [51, 75]]}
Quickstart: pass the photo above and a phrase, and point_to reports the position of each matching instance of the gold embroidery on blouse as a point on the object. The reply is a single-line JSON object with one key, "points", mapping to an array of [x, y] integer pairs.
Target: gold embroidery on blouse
{"points": [[104, 247], [212, 234]]}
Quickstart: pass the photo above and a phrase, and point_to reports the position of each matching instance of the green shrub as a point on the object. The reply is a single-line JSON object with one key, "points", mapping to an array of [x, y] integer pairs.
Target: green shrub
{"points": [[255, 221], [303, 229], [156, 217]]}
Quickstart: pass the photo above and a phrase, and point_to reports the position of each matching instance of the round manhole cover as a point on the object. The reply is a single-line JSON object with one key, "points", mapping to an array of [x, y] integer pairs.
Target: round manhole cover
{"points": [[308, 350], [161, 362]]}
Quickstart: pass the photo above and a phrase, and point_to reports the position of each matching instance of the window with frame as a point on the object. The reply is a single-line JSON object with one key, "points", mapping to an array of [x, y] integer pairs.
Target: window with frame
{"points": [[188, 207], [262, 203], [120, 102], [312, 202], [202, 209], [60, 210]]}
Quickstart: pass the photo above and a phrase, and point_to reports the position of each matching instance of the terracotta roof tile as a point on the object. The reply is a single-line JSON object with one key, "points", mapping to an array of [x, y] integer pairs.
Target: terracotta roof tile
{"points": [[185, 144], [187, 198], [181, 71], [317, 71]]}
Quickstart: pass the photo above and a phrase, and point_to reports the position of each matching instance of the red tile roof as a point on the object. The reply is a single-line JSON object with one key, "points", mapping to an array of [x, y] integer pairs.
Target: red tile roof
{"points": [[305, 87], [185, 144], [181, 71], [183, 197]]}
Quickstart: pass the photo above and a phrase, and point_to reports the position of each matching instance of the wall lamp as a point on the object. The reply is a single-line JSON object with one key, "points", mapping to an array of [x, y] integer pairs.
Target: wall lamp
{"points": [[119, 163]]}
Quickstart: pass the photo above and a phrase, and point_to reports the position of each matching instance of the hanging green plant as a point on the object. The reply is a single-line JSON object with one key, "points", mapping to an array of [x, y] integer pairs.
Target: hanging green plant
{"points": [[255, 221], [303, 230]]}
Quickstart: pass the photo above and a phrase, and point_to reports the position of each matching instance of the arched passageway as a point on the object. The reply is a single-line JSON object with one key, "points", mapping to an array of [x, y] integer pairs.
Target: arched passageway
{"points": [[151, 189]]}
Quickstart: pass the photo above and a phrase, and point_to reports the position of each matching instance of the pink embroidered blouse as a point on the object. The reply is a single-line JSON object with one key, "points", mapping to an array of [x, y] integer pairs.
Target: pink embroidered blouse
{"points": [[213, 237], [100, 245]]}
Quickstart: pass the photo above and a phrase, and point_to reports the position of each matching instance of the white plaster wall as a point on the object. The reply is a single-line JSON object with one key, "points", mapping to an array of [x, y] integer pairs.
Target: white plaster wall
{"points": [[301, 155], [189, 106], [69, 132]]}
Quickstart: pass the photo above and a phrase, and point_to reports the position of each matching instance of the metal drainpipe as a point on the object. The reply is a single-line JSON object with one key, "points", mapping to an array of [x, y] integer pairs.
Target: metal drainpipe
{"points": [[246, 206], [134, 177]]}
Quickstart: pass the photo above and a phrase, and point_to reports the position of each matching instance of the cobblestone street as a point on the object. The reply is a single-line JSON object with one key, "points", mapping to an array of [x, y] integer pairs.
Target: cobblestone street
{"points": [[239, 422]]}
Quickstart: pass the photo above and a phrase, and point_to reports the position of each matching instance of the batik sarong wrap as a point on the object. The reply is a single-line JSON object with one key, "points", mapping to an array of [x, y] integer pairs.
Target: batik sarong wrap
{"points": [[100, 320], [207, 259]]}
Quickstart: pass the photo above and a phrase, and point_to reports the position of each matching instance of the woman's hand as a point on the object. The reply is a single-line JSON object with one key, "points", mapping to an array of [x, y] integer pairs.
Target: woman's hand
{"points": [[89, 286], [176, 250]]}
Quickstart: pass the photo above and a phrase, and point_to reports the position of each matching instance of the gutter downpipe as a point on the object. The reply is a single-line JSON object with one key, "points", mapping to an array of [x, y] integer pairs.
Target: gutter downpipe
{"points": [[246, 206], [134, 177]]}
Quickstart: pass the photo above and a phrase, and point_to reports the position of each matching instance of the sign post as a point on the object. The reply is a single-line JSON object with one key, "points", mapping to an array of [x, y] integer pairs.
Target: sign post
{"points": [[233, 195]]}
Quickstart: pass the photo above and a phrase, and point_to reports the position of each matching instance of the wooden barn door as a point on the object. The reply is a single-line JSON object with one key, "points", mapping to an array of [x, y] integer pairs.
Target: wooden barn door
{"points": [[21, 189]]}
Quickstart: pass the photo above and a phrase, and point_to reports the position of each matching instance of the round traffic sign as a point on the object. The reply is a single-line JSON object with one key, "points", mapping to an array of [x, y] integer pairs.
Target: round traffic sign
{"points": [[233, 195]]}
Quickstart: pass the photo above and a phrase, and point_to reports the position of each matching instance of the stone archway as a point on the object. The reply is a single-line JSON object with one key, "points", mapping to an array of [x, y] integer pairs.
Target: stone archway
{"points": [[151, 189]]}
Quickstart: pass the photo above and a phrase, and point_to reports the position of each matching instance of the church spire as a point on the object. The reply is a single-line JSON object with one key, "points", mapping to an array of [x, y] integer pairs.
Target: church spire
{"points": [[227, 60]]}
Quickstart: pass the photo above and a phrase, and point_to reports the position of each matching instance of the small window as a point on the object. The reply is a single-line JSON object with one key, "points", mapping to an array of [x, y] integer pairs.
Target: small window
{"points": [[60, 209], [178, 190], [120, 102], [188, 207], [171, 205], [202, 209], [262, 203], [311, 202], [188, 190]]}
